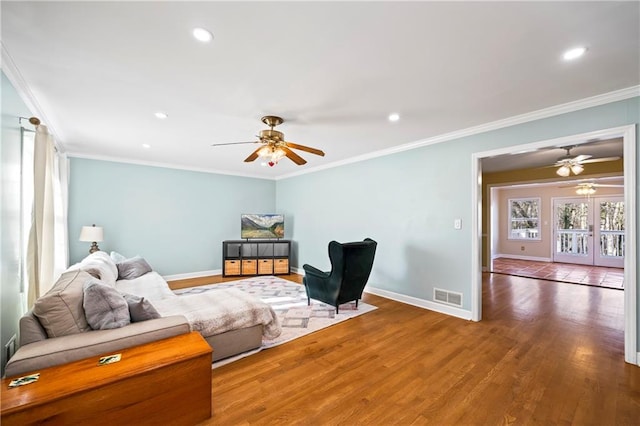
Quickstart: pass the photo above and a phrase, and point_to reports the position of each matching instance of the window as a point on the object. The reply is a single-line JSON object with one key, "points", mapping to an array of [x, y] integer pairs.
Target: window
{"points": [[524, 219]]}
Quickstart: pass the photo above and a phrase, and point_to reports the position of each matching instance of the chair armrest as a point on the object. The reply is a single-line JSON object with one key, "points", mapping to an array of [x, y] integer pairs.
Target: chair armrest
{"points": [[310, 270]]}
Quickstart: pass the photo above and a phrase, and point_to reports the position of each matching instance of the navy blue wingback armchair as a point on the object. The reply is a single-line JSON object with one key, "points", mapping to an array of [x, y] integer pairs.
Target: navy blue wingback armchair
{"points": [[351, 265]]}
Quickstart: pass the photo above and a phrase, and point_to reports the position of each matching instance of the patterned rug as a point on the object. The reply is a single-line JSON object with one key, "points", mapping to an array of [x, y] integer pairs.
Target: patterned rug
{"points": [[289, 301]]}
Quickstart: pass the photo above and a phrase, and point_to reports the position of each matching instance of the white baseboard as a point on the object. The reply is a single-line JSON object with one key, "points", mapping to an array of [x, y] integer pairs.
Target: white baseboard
{"points": [[421, 303], [211, 272], [520, 257], [192, 275]]}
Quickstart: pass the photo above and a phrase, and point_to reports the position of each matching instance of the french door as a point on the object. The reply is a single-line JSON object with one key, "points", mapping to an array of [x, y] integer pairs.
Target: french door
{"points": [[589, 231]]}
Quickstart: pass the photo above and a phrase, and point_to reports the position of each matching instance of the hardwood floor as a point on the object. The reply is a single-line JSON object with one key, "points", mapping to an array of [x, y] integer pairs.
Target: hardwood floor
{"points": [[545, 353]]}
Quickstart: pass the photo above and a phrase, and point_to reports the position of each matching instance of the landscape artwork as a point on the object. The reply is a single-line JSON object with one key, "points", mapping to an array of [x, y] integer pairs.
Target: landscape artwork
{"points": [[262, 226]]}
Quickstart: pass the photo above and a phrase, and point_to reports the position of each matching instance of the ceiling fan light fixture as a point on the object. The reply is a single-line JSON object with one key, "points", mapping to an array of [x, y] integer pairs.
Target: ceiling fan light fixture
{"points": [[277, 154], [564, 171], [577, 169], [586, 190], [265, 151]]}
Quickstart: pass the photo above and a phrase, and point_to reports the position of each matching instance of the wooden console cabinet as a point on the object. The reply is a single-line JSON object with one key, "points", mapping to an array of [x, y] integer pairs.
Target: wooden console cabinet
{"points": [[159, 383], [256, 257]]}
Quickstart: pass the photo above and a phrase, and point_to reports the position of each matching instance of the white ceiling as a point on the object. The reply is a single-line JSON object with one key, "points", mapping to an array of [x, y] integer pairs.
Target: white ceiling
{"points": [[98, 71]]}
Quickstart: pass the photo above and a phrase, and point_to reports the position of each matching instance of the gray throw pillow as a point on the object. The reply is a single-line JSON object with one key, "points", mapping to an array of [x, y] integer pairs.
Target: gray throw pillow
{"points": [[104, 307], [132, 268], [140, 309]]}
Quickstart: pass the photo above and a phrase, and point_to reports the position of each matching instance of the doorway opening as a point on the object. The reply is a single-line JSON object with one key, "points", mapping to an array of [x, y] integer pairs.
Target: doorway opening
{"points": [[628, 135]]}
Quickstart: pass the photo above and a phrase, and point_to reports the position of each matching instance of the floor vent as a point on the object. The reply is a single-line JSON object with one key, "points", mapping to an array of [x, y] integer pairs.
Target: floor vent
{"points": [[449, 297]]}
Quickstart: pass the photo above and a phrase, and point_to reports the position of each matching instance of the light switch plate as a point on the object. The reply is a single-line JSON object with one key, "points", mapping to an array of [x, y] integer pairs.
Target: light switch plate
{"points": [[457, 224]]}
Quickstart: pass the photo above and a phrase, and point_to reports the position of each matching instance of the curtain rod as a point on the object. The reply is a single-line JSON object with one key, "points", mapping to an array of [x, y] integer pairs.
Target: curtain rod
{"points": [[33, 120]]}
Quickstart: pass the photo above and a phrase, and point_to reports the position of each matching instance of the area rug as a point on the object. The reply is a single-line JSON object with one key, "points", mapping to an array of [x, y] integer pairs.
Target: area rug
{"points": [[289, 301]]}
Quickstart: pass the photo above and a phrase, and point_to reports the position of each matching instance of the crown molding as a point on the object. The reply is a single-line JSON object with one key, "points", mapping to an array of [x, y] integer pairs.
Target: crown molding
{"points": [[24, 91], [593, 101], [164, 165]]}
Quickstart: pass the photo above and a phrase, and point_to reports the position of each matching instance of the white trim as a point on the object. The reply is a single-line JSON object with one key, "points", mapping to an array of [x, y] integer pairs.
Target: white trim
{"points": [[628, 134], [631, 255], [192, 275], [164, 165], [298, 271], [420, 303], [476, 238], [24, 91], [593, 101], [521, 257]]}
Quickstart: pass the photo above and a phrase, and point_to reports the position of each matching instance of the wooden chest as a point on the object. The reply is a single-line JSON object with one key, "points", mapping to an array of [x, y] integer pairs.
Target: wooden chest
{"points": [[159, 383]]}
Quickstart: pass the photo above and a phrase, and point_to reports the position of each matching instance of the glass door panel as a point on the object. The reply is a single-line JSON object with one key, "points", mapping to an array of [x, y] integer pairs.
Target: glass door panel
{"points": [[573, 232], [610, 232]]}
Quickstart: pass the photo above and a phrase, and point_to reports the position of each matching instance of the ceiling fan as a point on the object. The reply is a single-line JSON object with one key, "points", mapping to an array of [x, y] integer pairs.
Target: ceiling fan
{"points": [[274, 147], [589, 188], [568, 164]]}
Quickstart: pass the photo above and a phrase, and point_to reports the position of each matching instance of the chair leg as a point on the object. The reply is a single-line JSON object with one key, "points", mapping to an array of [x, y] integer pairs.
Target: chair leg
{"points": [[356, 303], [336, 309], [308, 301]]}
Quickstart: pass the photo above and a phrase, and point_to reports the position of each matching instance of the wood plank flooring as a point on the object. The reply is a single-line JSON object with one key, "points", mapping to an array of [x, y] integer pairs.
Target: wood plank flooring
{"points": [[545, 353]]}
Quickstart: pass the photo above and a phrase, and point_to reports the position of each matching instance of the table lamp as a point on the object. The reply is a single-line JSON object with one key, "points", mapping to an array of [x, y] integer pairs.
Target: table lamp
{"points": [[93, 234]]}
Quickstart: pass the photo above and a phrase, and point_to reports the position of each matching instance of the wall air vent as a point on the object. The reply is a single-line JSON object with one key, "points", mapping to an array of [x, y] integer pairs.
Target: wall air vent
{"points": [[448, 297]]}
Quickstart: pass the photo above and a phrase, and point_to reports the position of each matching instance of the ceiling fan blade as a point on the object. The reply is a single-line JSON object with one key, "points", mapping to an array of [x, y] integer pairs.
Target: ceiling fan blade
{"points": [[305, 148], [232, 143], [600, 160], [580, 158], [293, 156], [253, 156]]}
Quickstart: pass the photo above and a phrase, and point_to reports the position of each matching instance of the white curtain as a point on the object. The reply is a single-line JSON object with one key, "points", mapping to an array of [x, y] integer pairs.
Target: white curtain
{"points": [[47, 248]]}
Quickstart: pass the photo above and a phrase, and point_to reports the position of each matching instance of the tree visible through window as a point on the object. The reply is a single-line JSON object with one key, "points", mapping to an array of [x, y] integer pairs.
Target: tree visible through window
{"points": [[524, 219]]}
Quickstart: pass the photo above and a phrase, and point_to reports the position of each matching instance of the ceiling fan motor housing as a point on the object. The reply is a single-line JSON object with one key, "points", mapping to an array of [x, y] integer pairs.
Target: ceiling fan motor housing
{"points": [[271, 135]]}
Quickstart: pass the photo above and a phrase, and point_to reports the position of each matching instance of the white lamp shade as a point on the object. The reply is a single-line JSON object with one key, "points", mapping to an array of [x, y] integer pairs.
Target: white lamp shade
{"points": [[577, 169], [91, 233], [564, 171]]}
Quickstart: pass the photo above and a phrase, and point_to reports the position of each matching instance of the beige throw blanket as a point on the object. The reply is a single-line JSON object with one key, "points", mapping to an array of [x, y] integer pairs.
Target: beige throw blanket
{"points": [[217, 311]]}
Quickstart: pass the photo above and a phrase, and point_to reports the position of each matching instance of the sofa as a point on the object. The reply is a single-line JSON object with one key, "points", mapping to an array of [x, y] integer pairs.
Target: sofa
{"points": [[83, 315]]}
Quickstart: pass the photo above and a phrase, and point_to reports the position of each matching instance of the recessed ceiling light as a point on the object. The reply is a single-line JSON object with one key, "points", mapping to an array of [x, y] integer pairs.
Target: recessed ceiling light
{"points": [[394, 117], [146, 146], [574, 53], [161, 115], [202, 35]]}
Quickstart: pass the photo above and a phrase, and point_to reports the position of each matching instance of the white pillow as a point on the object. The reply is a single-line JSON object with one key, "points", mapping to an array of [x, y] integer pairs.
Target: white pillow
{"points": [[117, 257], [100, 265]]}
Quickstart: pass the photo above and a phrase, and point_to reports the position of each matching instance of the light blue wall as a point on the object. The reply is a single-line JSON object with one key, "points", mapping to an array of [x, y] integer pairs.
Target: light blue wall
{"points": [[176, 219], [10, 299], [408, 202]]}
